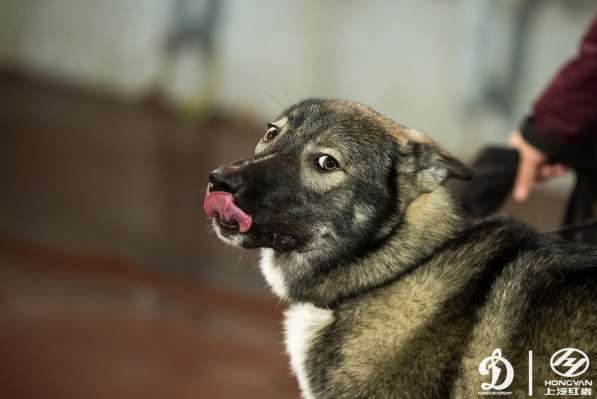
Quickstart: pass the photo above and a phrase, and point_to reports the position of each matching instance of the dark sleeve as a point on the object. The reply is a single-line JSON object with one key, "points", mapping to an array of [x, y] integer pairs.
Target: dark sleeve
{"points": [[566, 113]]}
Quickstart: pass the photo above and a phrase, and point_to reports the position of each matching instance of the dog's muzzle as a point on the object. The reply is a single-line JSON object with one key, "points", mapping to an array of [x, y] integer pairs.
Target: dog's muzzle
{"points": [[220, 204]]}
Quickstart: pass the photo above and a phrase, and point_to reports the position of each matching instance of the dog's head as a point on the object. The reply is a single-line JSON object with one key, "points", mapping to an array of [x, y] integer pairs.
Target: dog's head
{"points": [[329, 178]]}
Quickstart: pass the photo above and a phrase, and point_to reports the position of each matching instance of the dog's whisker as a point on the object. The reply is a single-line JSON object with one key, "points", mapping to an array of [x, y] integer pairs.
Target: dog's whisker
{"points": [[240, 258], [271, 96], [287, 96]]}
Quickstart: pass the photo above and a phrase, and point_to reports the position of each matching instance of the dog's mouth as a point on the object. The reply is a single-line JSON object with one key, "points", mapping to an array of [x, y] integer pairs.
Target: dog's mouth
{"points": [[220, 205], [237, 227]]}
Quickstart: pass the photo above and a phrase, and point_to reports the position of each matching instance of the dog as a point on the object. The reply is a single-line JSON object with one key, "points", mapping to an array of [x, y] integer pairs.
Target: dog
{"points": [[392, 292]]}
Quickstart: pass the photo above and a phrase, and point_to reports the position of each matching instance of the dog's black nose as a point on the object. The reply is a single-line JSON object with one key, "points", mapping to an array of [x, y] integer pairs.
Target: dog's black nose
{"points": [[224, 179]]}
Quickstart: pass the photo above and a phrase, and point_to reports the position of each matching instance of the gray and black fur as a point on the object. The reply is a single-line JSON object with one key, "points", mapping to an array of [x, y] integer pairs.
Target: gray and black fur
{"points": [[392, 293]]}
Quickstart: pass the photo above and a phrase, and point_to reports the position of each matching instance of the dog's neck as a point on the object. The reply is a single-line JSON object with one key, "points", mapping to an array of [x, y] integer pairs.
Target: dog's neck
{"points": [[428, 222]]}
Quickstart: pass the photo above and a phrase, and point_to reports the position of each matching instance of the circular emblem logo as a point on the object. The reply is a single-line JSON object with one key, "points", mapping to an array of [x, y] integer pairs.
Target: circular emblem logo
{"points": [[569, 362]]}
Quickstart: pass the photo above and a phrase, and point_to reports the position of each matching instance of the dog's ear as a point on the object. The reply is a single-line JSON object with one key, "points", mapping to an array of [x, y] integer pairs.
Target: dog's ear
{"points": [[430, 164]]}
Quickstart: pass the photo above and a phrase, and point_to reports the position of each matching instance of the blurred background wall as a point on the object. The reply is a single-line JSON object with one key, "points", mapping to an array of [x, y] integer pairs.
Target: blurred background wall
{"points": [[437, 65], [112, 114]]}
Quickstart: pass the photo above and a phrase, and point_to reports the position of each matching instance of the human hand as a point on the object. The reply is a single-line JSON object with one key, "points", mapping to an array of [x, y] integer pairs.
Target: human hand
{"points": [[532, 167]]}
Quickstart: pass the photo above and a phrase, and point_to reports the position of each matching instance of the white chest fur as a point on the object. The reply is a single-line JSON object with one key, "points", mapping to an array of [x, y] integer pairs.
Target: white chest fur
{"points": [[303, 324], [272, 273]]}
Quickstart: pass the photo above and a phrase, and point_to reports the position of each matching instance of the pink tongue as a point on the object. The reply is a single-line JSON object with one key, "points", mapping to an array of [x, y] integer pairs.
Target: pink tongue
{"points": [[221, 204]]}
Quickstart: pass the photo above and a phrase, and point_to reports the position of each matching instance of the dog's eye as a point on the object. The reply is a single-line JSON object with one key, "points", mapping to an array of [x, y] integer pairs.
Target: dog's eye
{"points": [[326, 162], [270, 133]]}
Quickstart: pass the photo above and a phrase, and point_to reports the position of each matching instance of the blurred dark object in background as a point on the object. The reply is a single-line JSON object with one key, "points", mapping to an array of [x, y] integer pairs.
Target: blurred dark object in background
{"points": [[581, 207], [141, 300], [494, 171]]}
